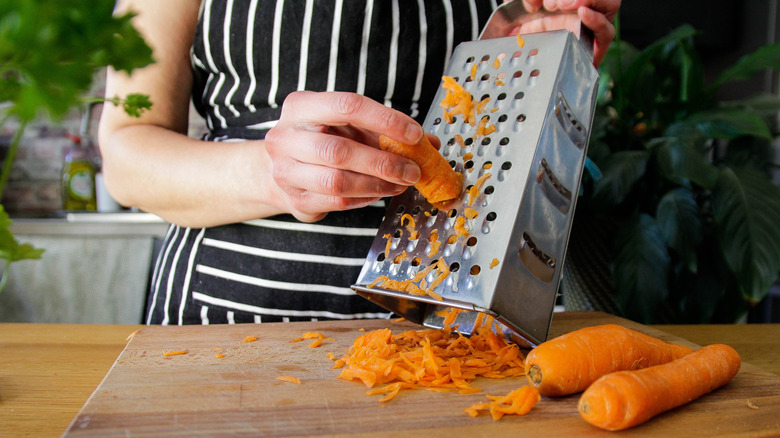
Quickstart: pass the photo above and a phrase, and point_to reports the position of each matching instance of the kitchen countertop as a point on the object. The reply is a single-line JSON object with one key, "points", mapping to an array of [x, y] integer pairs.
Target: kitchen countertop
{"points": [[48, 371], [123, 223]]}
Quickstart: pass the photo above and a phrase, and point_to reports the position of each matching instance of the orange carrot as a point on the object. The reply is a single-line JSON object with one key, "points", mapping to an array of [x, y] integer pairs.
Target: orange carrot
{"points": [[289, 379], [430, 359], [250, 339], [175, 353], [438, 181], [518, 402], [628, 398], [570, 363]]}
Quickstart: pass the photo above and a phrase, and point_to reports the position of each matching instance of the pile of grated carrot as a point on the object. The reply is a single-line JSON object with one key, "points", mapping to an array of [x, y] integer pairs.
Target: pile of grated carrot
{"points": [[438, 360]]}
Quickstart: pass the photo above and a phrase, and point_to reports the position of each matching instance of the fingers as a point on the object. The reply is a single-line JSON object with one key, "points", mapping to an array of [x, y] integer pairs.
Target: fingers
{"points": [[607, 7], [325, 157], [603, 32], [342, 109]]}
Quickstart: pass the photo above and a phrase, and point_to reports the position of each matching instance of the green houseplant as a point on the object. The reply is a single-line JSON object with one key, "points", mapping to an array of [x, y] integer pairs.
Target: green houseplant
{"points": [[50, 52], [680, 195]]}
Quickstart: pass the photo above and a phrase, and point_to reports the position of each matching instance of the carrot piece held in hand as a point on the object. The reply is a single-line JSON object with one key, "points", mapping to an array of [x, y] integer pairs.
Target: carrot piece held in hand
{"points": [[628, 398], [438, 181], [570, 363]]}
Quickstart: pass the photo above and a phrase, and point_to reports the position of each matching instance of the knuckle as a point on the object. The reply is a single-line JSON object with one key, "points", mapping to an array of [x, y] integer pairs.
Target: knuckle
{"points": [[332, 182], [332, 150], [348, 104]]}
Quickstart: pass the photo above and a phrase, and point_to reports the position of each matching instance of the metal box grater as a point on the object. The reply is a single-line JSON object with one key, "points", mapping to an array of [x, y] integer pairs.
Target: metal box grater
{"points": [[542, 99]]}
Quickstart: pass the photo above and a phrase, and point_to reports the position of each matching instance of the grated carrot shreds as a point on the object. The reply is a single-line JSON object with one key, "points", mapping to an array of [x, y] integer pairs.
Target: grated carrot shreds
{"points": [[250, 339], [473, 192], [518, 402], [493, 263], [290, 379], [457, 101], [520, 41], [219, 356], [175, 353], [316, 335], [316, 343], [431, 359], [388, 245]]}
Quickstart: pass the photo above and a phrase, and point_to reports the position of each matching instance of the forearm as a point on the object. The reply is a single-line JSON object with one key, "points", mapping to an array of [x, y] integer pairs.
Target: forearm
{"points": [[187, 181]]}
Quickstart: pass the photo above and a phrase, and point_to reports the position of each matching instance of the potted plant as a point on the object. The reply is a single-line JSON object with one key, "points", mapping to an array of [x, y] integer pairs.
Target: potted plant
{"points": [[679, 195], [49, 54]]}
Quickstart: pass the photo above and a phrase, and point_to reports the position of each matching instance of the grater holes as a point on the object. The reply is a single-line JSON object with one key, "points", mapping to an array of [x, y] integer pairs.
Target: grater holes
{"points": [[540, 264], [415, 261], [437, 121], [454, 267], [475, 270], [534, 73], [501, 96], [520, 118], [554, 190], [516, 56], [502, 118]]}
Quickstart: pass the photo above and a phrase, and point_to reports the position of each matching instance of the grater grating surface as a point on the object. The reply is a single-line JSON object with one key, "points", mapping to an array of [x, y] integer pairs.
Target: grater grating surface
{"points": [[506, 260]]}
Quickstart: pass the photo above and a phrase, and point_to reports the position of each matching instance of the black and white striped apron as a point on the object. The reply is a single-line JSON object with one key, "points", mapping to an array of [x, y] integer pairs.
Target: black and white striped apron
{"points": [[247, 56]]}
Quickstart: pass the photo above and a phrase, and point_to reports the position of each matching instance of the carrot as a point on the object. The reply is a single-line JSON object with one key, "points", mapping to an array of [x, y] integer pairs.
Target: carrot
{"points": [[289, 379], [494, 263], [518, 402], [628, 398], [175, 353], [431, 359], [570, 363], [438, 181], [249, 339]]}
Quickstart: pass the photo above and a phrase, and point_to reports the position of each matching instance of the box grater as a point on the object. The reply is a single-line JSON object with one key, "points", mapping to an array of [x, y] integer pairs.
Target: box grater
{"points": [[505, 251]]}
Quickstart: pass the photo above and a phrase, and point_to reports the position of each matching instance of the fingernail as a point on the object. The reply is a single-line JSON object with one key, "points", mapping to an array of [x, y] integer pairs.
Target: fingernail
{"points": [[411, 173], [566, 3], [413, 133]]}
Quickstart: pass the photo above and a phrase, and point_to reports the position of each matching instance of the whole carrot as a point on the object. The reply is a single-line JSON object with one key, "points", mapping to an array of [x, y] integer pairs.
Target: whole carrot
{"points": [[571, 362], [438, 181], [628, 398]]}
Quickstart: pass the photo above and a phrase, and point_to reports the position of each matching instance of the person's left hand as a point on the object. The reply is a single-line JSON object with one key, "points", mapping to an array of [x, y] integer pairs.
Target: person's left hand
{"points": [[597, 15]]}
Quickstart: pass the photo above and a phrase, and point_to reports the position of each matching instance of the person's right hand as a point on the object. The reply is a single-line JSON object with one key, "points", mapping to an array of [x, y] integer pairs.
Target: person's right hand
{"points": [[325, 155]]}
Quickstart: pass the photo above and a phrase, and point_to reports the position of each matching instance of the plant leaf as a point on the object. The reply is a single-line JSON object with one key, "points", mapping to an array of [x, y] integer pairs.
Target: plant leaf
{"points": [[680, 224], [729, 123], [766, 57], [680, 160], [10, 249], [746, 208], [620, 172], [641, 269]]}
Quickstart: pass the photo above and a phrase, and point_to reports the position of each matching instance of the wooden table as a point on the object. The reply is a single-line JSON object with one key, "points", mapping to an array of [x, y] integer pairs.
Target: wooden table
{"points": [[48, 371]]}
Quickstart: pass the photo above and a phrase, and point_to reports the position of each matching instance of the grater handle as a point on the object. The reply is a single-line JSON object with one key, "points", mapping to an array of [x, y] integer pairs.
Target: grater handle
{"points": [[512, 14]]}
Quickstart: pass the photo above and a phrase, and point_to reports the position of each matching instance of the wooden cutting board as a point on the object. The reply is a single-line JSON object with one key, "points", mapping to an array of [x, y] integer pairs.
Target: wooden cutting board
{"points": [[147, 393]]}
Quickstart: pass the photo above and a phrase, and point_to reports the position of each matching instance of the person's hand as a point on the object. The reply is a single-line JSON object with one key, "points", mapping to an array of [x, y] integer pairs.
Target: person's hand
{"points": [[597, 15], [325, 153]]}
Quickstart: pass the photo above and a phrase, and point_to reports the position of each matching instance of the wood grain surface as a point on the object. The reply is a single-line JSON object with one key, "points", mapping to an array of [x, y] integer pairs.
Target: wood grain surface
{"points": [[146, 393]]}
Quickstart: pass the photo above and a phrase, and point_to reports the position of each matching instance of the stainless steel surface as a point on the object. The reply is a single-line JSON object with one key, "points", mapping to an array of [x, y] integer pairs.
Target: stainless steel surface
{"points": [[542, 97]]}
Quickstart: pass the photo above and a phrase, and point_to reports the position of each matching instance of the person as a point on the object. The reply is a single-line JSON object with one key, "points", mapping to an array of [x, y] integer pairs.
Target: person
{"points": [[273, 211]]}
